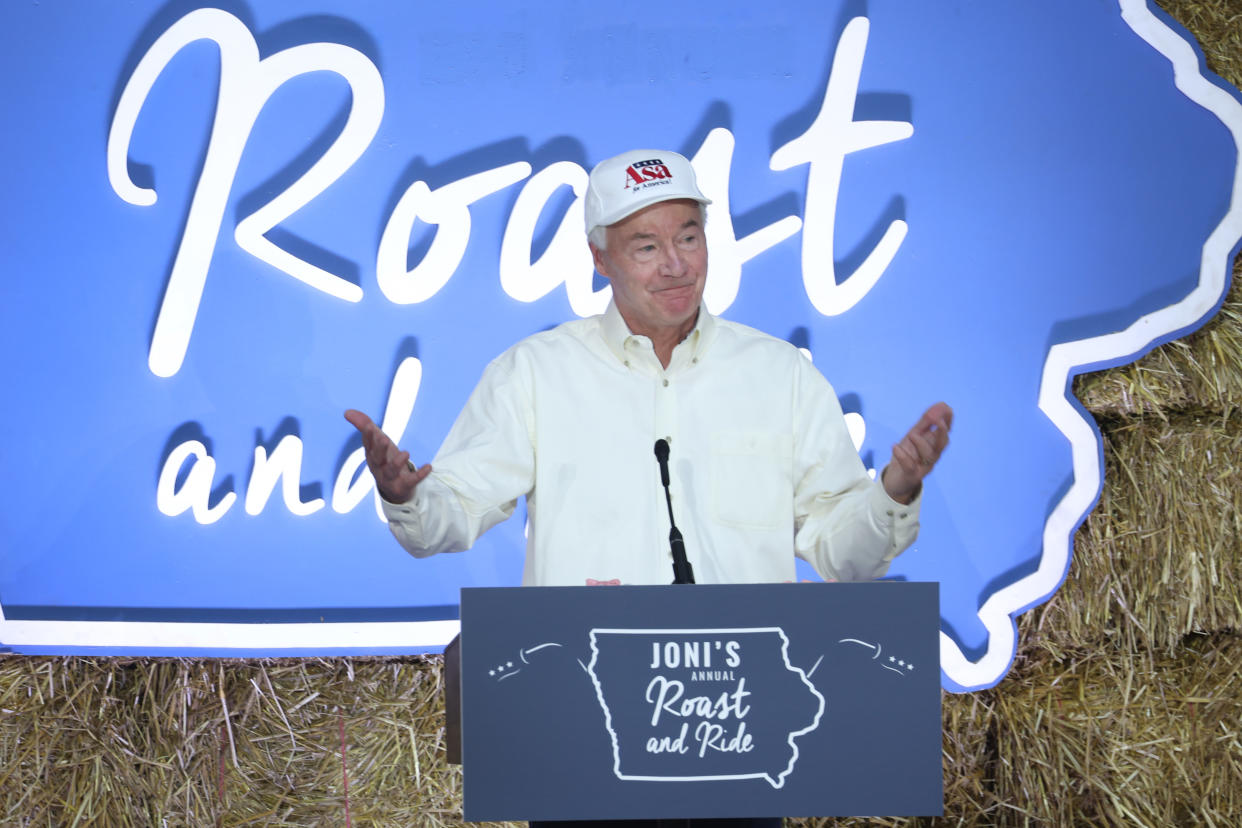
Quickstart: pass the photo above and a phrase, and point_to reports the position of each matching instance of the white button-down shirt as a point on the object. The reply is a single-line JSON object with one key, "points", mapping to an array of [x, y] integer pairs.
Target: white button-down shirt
{"points": [[762, 465]]}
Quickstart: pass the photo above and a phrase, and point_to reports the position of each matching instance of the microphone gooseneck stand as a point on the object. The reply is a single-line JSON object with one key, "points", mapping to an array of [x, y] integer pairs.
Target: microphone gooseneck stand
{"points": [[683, 573]]}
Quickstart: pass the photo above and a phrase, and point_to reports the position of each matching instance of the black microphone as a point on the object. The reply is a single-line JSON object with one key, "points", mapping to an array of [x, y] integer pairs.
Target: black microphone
{"points": [[683, 573], [661, 453]]}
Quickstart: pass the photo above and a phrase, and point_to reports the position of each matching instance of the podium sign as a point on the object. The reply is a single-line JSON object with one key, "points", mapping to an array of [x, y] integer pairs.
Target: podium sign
{"points": [[707, 701]]}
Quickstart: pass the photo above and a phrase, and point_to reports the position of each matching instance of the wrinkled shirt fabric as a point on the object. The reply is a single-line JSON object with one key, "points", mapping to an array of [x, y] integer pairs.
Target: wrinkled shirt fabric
{"points": [[762, 466]]}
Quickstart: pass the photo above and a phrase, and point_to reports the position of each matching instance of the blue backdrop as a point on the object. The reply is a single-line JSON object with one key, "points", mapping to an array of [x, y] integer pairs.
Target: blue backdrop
{"points": [[218, 235]]}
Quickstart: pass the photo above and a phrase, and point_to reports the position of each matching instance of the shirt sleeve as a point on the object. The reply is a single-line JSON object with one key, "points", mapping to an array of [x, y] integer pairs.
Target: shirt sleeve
{"points": [[485, 464], [846, 525]]}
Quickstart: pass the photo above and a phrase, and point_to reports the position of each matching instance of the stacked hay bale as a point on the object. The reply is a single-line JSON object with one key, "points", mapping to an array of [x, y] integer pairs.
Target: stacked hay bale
{"points": [[1123, 706]]}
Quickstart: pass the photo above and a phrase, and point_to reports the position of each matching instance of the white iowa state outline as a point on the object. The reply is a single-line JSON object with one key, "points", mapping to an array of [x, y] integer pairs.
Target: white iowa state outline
{"points": [[1054, 390], [996, 613], [777, 781]]}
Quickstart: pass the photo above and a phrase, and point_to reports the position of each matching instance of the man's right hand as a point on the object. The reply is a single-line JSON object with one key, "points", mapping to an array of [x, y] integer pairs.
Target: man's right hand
{"points": [[395, 476]]}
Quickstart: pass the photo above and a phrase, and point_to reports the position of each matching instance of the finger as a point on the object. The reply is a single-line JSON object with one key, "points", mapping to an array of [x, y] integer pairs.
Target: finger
{"points": [[939, 435], [392, 457], [907, 460], [927, 421], [403, 481], [376, 444], [938, 431], [937, 418], [368, 429], [357, 419], [940, 416], [377, 461], [924, 449], [920, 463]]}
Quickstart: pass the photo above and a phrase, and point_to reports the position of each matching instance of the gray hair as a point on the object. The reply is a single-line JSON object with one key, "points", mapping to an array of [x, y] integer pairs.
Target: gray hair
{"points": [[599, 233]]}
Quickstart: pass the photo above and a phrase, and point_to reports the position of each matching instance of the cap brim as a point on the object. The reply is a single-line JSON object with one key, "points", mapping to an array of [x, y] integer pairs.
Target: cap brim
{"points": [[642, 203]]}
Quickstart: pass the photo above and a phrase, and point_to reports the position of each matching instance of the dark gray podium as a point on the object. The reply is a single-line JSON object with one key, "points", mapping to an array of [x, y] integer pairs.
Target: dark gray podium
{"points": [[701, 702]]}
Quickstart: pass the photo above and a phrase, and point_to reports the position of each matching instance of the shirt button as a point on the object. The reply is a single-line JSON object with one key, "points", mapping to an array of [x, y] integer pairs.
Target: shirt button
{"points": [[902, 516], [694, 361], [889, 513], [666, 383], [627, 363]]}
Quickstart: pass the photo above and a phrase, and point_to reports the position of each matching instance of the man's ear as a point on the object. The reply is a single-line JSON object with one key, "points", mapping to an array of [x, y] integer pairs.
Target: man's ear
{"points": [[597, 256]]}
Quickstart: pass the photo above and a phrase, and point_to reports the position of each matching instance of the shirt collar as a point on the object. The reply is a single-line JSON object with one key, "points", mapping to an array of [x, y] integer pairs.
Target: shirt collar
{"points": [[616, 332]]}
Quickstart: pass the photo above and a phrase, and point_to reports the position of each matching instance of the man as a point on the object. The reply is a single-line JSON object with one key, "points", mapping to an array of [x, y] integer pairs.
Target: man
{"points": [[762, 464], [567, 418]]}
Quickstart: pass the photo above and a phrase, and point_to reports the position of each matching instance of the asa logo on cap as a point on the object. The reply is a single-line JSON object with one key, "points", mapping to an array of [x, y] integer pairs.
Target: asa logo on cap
{"points": [[645, 172]]}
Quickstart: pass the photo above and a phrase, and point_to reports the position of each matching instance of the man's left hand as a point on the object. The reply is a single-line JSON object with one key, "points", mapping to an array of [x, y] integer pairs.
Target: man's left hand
{"points": [[916, 455]]}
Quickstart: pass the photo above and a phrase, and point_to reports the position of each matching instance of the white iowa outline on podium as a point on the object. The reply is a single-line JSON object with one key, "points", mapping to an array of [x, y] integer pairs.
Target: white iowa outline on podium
{"points": [[997, 612], [779, 781]]}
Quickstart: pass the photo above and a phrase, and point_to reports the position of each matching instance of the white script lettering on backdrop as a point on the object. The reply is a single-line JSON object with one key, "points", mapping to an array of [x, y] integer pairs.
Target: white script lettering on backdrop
{"points": [[246, 83]]}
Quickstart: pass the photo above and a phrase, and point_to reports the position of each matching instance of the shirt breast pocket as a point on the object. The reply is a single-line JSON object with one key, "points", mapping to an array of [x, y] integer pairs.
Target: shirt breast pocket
{"points": [[751, 478]]}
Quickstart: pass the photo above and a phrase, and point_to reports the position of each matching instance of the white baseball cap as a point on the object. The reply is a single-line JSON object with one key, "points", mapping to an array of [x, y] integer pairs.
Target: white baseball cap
{"points": [[626, 183]]}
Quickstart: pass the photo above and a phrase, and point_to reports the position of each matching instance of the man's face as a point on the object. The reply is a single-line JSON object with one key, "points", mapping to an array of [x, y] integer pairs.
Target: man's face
{"points": [[657, 262]]}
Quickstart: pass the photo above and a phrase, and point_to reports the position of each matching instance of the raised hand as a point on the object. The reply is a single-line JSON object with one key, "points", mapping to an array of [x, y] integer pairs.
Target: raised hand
{"points": [[395, 476], [917, 453]]}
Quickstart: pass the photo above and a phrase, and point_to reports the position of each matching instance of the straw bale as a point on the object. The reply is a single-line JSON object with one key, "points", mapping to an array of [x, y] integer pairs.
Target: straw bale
{"points": [[103, 742], [1161, 556], [155, 742], [1217, 25], [258, 742], [1094, 734], [1111, 737], [1201, 372]]}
